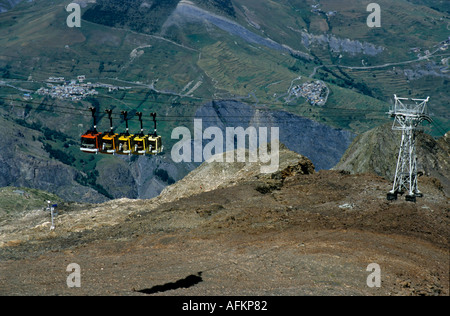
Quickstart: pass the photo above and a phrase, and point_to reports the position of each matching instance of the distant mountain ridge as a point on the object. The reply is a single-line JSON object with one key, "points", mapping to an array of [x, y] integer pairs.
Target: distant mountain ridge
{"points": [[322, 144]]}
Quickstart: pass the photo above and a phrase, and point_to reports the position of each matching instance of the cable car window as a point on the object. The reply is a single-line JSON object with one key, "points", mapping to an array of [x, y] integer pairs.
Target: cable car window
{"points": [[108, 144], [88, 143], [140, 145]]}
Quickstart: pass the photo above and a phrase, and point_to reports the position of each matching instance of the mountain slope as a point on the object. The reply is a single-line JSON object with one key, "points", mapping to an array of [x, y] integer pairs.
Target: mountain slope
{"points": [[377, 151], [24, 163], [250, 235], [240, 232], [320, 143]]}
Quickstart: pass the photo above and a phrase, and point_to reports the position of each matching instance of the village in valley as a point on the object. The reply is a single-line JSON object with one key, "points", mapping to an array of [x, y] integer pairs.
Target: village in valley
{"points": [[75, 89], [316, 93]]}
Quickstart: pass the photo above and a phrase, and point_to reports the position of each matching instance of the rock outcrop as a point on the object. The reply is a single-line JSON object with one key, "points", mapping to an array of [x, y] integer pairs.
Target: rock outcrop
{"points": [[213, 175]]}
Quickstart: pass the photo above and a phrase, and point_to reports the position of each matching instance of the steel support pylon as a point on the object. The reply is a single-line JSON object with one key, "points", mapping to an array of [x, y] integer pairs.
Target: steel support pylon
{"points": [[407, 118]]}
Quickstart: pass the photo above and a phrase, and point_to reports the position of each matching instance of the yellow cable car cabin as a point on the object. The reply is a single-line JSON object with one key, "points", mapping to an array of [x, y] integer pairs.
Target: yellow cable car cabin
{"points": [[140, 141], [125, 143], [154, 141], [109, 140], [140, 145], [155, 145], [109, 144]]}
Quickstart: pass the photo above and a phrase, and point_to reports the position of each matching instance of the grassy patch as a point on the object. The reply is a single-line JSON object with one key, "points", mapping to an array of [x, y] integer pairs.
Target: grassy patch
{"points": [[14, 200]]}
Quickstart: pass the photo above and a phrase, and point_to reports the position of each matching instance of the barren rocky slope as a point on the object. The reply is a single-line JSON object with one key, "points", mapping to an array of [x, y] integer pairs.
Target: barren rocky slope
{"points": [[296, 232], [377, 151]]}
